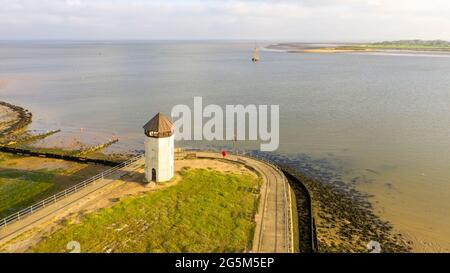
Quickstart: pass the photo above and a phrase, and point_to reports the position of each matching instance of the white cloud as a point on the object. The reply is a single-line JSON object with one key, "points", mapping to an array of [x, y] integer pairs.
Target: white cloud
{"points": [[225, 19]]}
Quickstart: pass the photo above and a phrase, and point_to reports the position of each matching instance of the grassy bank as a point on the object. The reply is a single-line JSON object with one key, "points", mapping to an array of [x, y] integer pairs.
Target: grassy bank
{"points": [[413, 45], [20, 188], [373, 47], [407, 45], [207, 211], [433, 45], [393, 47], [27, 180]]}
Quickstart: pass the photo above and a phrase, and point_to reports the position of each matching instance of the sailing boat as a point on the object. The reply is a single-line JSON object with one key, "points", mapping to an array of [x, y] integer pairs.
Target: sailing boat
{"points": [[255, 56]]}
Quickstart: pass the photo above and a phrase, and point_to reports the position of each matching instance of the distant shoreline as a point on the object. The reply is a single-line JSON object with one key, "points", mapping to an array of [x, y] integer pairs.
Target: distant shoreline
{"points": [[355, 48]]}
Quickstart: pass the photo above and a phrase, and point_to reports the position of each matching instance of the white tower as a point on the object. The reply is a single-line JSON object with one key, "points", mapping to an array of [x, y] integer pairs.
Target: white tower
{"points": [[159, 144]]}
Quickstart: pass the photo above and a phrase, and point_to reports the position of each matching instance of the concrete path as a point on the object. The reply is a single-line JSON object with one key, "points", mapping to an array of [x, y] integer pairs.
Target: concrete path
{"points": [[273, 222]]}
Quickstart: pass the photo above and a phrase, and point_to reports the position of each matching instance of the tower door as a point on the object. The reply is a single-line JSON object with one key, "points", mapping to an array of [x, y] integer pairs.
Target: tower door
{"points": [[153, 175]]}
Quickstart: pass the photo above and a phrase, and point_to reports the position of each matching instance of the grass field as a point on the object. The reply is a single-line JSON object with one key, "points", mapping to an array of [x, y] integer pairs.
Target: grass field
{"points": [[27, 180], [21, 188], [207, 211], [394, 47]]}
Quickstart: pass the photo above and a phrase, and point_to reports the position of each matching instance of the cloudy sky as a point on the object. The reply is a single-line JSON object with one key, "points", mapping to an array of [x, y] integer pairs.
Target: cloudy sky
{"points": [[293, 20]]}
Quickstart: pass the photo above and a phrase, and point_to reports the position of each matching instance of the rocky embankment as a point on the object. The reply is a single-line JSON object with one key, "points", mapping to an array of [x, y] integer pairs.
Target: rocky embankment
{"points": [[12, 119], [345, 221]]}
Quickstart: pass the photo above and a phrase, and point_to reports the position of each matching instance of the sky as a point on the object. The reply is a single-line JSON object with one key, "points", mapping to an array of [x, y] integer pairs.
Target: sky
{"points": [[283, 20]]}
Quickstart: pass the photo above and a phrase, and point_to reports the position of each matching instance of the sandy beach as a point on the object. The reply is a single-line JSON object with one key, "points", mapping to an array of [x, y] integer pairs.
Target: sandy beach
{"points": [[12, 119], [334, 50], [7, 117]]}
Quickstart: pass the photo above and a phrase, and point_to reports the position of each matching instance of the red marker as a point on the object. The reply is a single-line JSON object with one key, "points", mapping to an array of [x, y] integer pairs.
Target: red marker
{"points": [[224, 154]]}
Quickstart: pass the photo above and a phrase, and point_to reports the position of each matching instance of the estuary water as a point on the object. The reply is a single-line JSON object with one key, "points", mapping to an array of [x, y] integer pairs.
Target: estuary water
{"points": [[383, 119]]}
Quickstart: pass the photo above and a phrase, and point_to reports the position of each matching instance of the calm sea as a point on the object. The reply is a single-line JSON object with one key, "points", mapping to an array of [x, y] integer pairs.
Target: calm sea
{"points": [[384, 119]]}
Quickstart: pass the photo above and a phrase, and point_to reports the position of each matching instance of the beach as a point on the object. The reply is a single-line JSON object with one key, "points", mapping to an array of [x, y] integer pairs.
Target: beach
{"points": [[12, 119], [7, 117]]}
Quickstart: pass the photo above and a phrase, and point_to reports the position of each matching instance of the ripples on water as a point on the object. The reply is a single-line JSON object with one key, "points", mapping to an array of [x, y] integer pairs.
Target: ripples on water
{"points": [[383, 119]]}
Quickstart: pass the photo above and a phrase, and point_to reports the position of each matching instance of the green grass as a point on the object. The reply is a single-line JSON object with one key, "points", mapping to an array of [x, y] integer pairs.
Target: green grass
{"points": [[407, 47], [396, 46], [207, 211], [20, 188], [52, 150]]}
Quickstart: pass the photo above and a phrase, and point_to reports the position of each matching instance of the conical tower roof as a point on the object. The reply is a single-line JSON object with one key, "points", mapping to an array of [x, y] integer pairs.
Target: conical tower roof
{"points": [[159, 126]]}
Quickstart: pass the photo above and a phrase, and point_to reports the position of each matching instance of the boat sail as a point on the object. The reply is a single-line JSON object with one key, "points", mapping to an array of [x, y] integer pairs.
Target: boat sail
{"points": [[255, 56]]}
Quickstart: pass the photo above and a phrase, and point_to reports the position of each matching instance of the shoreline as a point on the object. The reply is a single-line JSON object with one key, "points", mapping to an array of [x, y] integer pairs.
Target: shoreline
{"points": [[15, 139], [330, 239], [13, 119], [351, 48], [345, 220]]}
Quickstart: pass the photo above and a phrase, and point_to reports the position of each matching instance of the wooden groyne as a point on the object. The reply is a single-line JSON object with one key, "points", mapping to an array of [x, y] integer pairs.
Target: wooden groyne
{"points": [[75, 158], [97, 147], [32, 138]]}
